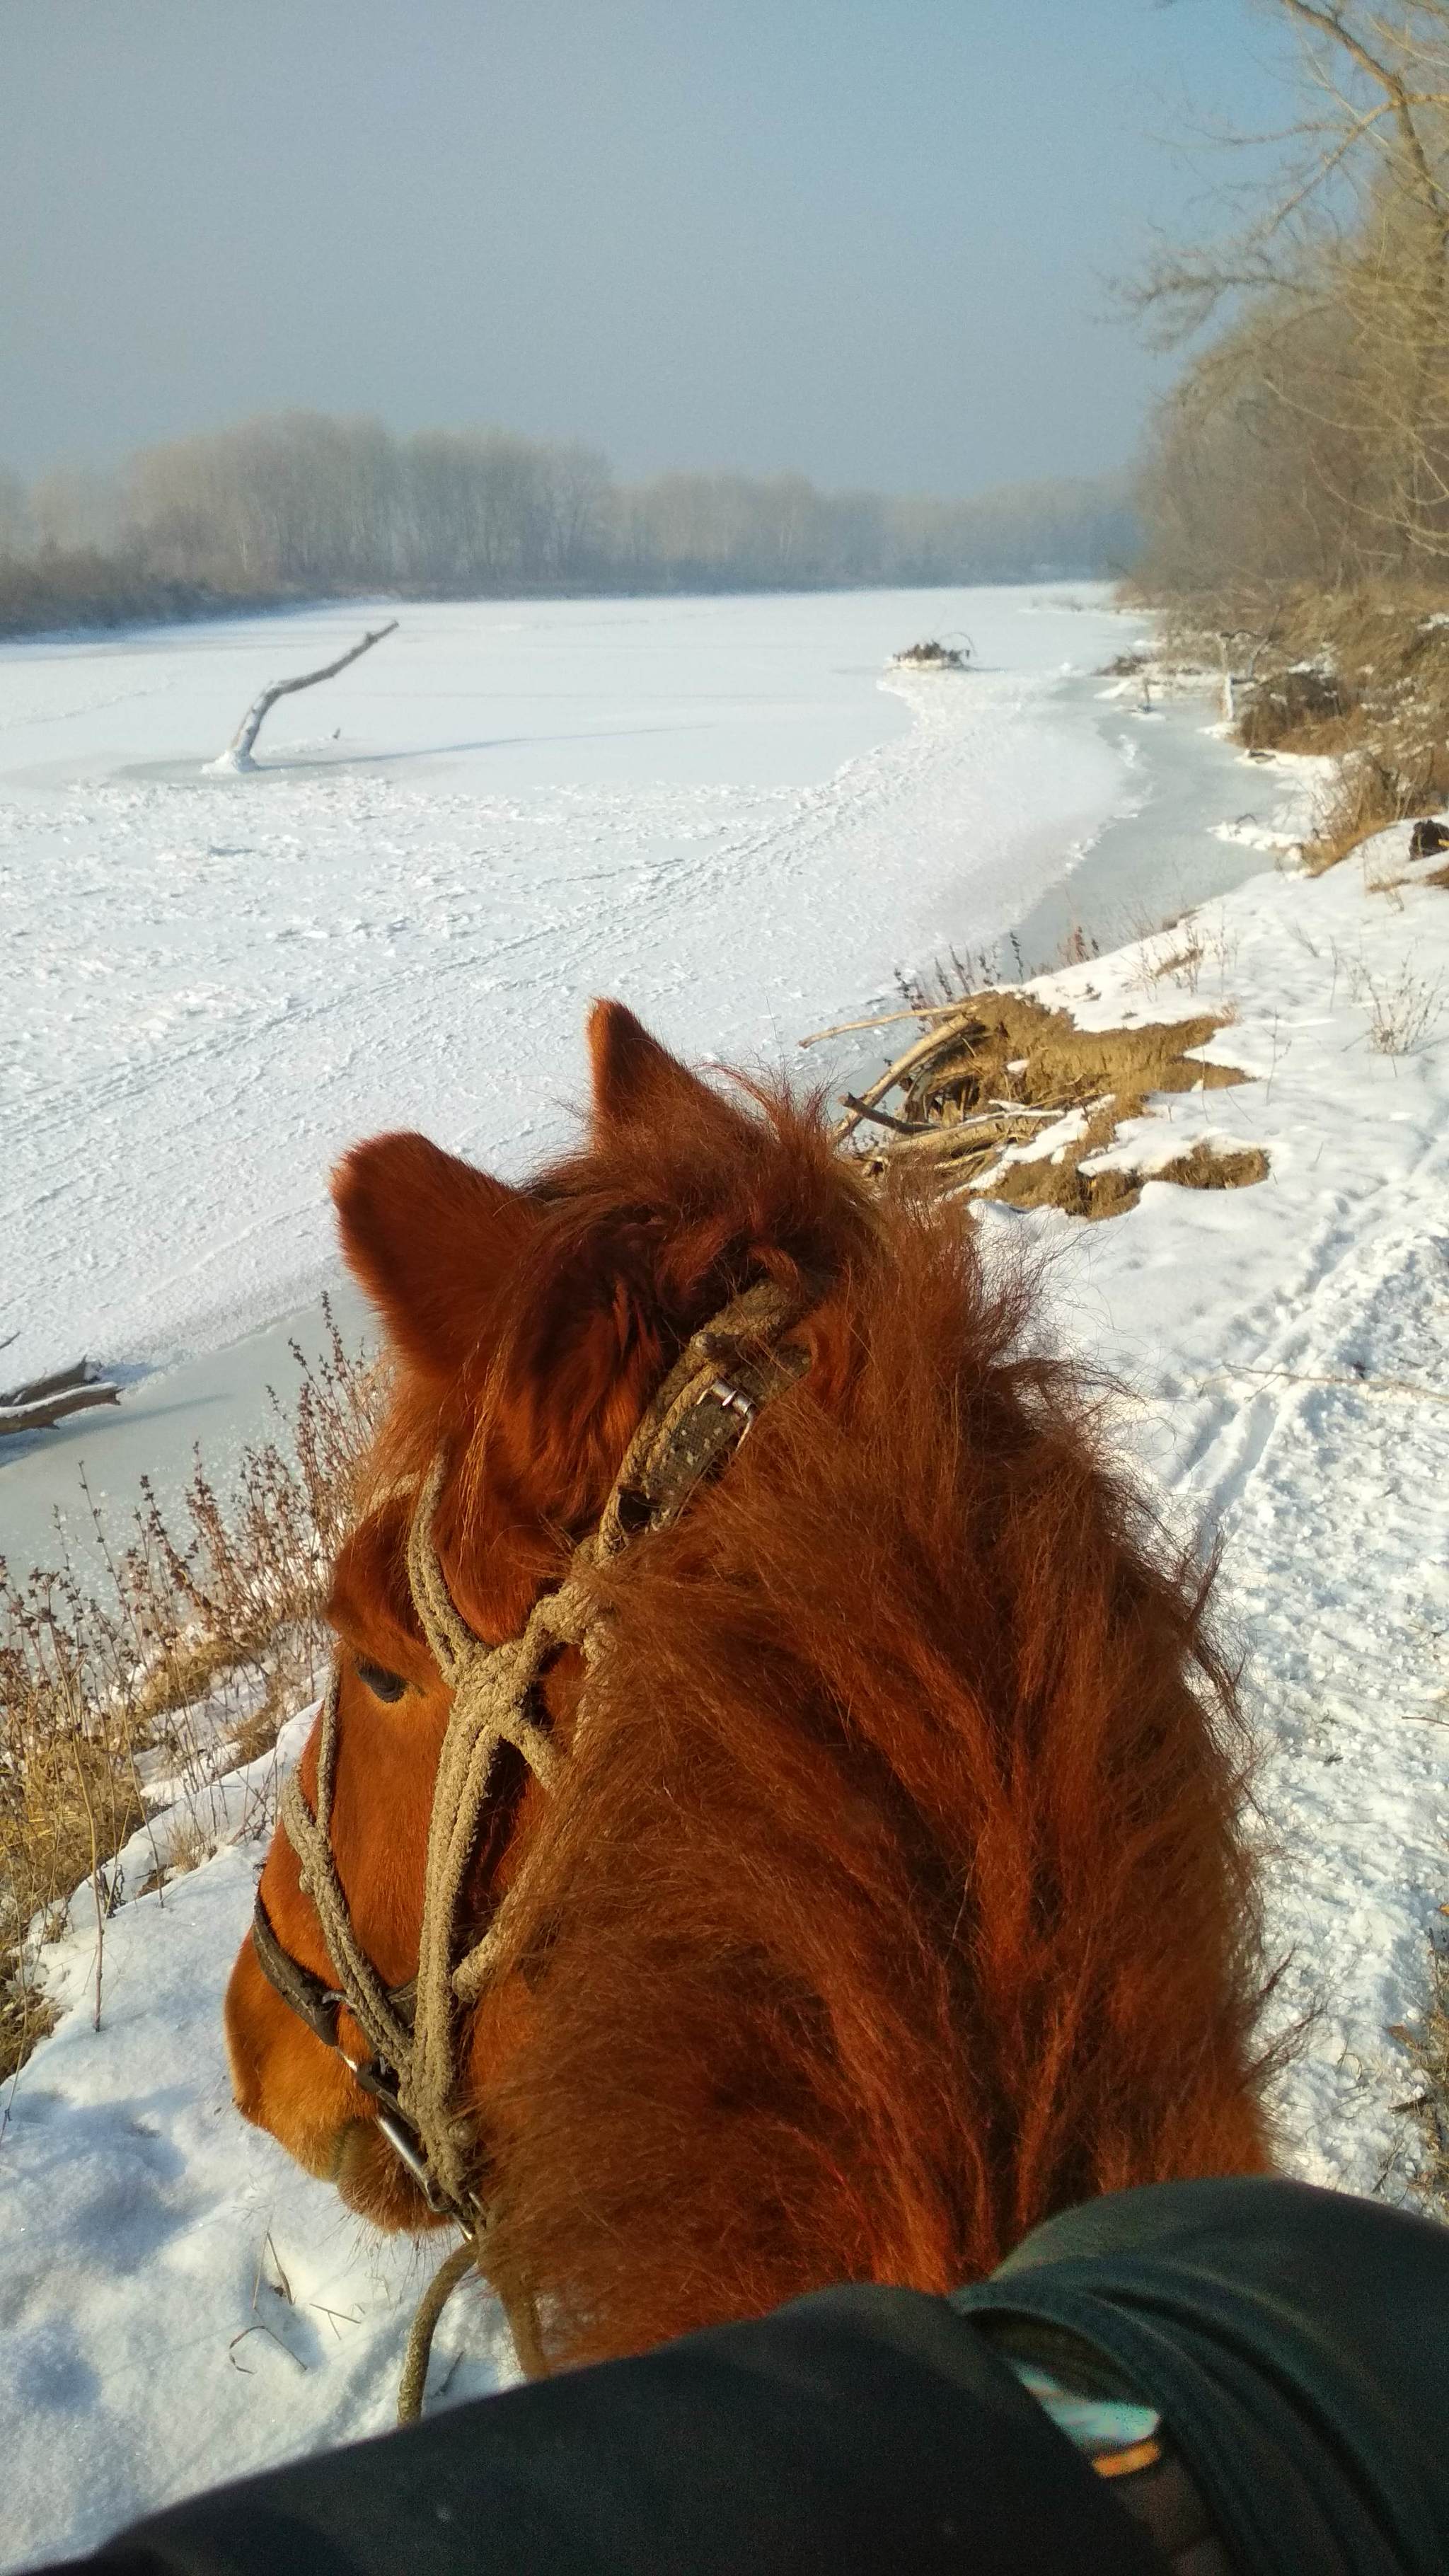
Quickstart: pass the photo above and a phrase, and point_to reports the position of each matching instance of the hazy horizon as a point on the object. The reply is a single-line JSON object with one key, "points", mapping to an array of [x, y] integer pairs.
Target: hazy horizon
{"points": [[866, 246]]}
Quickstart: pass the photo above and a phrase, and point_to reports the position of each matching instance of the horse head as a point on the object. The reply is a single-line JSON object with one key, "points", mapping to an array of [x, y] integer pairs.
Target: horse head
{"points": [[526, 1327], [877, 1887]]}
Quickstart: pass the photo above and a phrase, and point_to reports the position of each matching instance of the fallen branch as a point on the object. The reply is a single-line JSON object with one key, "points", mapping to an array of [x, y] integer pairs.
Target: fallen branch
{"points": [[44, 1417], [1324, 1377], [878, 1117], [883, 1020], [934, 1040], [948, 1136], [59, 1383], [237, 756], [47, 1400]]}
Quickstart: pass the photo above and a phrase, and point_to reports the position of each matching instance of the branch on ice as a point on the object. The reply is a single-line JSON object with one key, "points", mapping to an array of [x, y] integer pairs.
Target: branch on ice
{"points": [[47, 1400], [237, 756]]}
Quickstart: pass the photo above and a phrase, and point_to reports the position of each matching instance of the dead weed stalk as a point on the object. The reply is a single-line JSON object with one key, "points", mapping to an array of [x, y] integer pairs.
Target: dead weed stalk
{"points": [[1402, 1014], [167, 1661]]}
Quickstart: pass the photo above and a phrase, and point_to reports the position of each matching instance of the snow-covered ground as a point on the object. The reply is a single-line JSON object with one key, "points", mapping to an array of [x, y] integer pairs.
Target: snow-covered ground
{"points": [[714, 808], [180, 2303], [1281, 1350]]}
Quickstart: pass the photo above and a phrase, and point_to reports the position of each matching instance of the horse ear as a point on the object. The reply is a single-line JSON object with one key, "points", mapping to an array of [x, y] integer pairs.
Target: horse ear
{"points": [[424, 1234], [637, 1082]]}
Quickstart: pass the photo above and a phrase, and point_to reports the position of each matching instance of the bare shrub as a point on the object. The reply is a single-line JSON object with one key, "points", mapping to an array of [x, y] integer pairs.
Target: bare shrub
{"points": [[1365, 796], [1198, 944], [179, 1661], [1185, 963], [1402, 1014], [947, 980], [1076, 946]]}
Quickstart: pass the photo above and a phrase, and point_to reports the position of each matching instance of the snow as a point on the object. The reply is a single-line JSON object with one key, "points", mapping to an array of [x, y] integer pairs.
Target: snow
{"points": [[212, 985], [183, 2304], [1281, 1348], [180, 2303]]}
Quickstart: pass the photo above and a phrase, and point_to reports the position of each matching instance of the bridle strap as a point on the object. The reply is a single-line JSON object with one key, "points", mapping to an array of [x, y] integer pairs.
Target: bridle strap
{"points": [[697, 1417], [731, 1368], [310, 1997], [383, 2014]]}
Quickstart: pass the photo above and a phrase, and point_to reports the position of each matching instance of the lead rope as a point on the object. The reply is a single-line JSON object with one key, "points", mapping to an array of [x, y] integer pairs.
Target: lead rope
{"points": [[675, 1446]]}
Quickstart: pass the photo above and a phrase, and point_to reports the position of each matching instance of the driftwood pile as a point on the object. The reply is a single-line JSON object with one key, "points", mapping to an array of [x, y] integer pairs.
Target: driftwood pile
{"points": [[947, 1111], [48, 1400], [932, 655], [1004, 1098], [959, 1098]]}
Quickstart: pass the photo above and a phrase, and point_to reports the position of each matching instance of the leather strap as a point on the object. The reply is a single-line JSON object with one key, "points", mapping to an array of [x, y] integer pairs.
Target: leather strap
{"points": [[310, 1996]]}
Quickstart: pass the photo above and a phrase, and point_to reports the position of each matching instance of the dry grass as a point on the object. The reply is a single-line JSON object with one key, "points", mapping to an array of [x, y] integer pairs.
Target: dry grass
{"points": [[179, 1661], [1360, 675], [995, 1076], [1295, 706], [1368, 793], [1428, 2046], [1199, 947]]}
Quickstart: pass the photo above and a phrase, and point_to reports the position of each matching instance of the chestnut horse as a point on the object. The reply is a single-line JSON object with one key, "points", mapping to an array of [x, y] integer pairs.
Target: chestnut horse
{"points": [[889, 1893]]}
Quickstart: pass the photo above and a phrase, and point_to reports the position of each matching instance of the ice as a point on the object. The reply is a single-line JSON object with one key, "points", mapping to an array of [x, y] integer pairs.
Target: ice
{"points": [[211, 986]]}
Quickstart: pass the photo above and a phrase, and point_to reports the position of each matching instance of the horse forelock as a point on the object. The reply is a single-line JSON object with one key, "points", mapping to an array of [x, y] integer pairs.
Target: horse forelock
{"points": [[616, 1255]]}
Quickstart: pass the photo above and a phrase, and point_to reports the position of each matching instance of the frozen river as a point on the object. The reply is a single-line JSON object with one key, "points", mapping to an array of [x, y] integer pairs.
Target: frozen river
{"points": [[723, 810]]}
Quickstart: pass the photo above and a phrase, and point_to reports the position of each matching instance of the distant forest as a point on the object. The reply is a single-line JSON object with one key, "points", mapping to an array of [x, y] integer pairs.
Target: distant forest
{"points": [[302, 505]]}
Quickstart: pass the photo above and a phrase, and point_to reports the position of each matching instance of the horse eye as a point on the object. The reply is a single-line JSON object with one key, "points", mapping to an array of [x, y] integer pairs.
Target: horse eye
{"points": [[381, 1683]]}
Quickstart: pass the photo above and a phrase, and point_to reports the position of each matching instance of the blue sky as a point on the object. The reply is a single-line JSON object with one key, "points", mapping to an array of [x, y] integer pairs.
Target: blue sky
{"points": [[866, 239]]}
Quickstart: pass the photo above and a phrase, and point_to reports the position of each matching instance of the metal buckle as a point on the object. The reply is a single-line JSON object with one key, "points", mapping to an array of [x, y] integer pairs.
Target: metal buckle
{"points": [[735, 1400]]}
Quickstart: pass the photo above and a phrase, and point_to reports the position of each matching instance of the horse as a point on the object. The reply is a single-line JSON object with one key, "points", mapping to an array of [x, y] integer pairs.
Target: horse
{"points": [[859, 1871]]}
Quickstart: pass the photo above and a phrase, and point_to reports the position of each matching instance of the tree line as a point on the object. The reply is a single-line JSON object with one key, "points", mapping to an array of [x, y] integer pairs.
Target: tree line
{"points": [[1307, 440], [306, 504]]}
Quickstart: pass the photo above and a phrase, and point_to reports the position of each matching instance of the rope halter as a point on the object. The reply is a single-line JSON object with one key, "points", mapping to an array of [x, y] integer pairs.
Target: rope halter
{"points": [[733, 1366]]}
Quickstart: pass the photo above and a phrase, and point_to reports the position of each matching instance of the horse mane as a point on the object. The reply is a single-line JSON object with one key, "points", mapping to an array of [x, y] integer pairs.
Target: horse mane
{"points": [[894, 1894]]}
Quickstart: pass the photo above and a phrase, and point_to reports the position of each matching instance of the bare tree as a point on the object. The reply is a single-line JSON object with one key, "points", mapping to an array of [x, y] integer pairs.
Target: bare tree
{"points": [[1338, 281], [238, 753], [73, 508]]}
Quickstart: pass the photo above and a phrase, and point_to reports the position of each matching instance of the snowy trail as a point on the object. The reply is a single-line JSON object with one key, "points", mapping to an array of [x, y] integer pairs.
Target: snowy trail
{"points": [[1332, 1501], [1285, 1350]]}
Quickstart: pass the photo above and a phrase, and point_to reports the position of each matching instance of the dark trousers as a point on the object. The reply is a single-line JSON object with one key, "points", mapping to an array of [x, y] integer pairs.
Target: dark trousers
{"points": [[1295, 2342]]}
